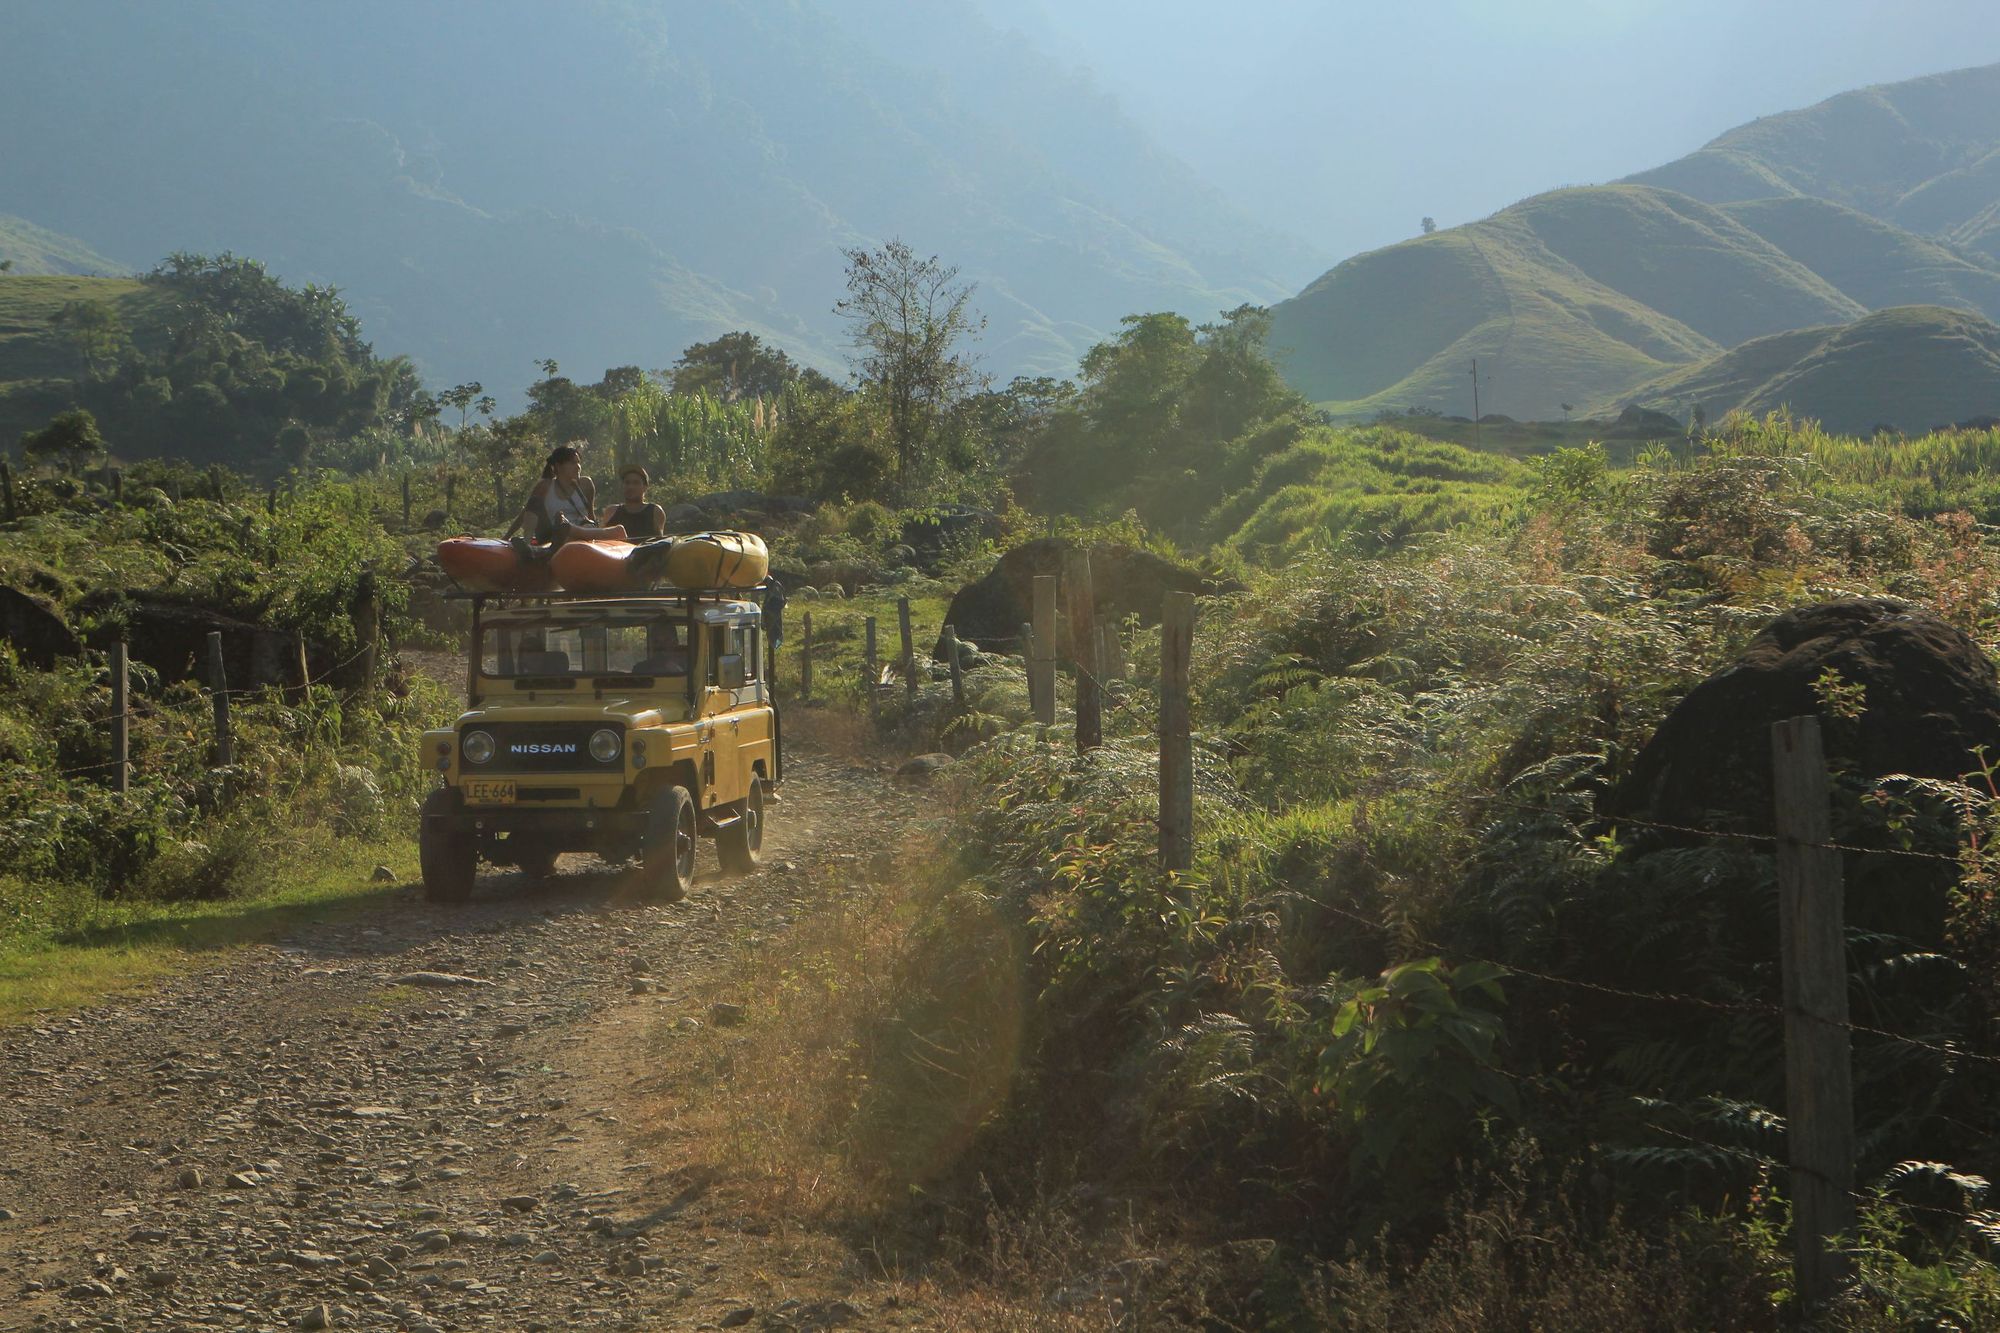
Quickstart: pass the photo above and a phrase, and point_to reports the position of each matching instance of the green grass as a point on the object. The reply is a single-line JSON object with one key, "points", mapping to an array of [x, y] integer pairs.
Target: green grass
{"points": [[85, 949], [1372, 487]]}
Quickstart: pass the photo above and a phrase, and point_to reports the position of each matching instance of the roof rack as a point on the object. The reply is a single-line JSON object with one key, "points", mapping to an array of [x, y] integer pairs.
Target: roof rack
{"points": [[642, 595]]}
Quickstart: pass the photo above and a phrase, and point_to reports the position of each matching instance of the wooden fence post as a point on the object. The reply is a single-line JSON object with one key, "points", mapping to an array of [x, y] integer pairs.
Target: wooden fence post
{"points": [[367, 631], [7, 490], [121, 703], [870, 673], [1112, 651], [909, 649], [806, 657], [1819, 1092], [1028, 663], [1042, 670], [218, 683], [950, 637], [1176, 738], [1084, 647], [118, 485], [300, 666]]}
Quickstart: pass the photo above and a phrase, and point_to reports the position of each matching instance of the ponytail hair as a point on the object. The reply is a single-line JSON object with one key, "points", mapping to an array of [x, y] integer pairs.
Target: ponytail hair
{"points": [[564, 454]]}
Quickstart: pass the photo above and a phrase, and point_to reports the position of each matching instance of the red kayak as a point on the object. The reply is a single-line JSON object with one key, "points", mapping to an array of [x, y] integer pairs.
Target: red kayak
{"points": [[487, 564], [607, 566]]}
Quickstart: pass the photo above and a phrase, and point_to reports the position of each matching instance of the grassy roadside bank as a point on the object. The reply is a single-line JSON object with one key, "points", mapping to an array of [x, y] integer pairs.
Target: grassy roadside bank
{"points": [[84, 949]]}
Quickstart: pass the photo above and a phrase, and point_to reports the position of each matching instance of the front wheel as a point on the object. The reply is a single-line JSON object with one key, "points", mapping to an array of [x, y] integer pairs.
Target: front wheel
{"points": [[667, 859], [740, 844], [449, 860]]}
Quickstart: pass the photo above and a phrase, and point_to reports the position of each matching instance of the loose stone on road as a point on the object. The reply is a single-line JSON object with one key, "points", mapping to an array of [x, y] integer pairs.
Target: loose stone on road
{"points": [[414, 1120]]}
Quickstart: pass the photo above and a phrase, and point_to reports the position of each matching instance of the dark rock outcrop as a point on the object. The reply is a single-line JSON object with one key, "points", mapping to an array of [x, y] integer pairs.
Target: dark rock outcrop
{"points": [[35, 628], [172, 638], [1931, 697], [1125, 579]]}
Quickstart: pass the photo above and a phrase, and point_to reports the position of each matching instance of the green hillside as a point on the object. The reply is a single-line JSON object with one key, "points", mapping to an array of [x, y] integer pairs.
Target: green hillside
{"points": [[1913, 367], [1876, 199], [1570, 296], [38, 367], [1871, 261], [30, 250], [1920, 154]]}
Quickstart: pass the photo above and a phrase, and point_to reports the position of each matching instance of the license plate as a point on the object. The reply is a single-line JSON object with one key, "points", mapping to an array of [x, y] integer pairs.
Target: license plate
{"points": [[491, 793]]}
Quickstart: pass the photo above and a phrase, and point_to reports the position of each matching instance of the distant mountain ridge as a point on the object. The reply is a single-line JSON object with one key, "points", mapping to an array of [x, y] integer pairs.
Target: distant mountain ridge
{"points": [[1580, 296], [606, 181], [33, 251]]}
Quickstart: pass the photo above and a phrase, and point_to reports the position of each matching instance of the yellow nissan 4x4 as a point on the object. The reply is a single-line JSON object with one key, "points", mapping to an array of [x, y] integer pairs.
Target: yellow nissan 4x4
{"points": [[627, 726]]}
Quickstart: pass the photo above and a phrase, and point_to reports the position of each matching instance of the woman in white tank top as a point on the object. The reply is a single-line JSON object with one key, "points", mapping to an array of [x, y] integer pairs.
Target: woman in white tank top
{"points": [[563, 492]]}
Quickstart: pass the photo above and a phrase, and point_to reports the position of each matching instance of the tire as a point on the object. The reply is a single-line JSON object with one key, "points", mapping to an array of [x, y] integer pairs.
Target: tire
{"points": [[666, 862], [741, 843], [450, 861]]}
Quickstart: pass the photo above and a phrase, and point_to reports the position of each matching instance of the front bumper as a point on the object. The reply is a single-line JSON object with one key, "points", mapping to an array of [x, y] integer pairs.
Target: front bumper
{"points": [[487, 819]]}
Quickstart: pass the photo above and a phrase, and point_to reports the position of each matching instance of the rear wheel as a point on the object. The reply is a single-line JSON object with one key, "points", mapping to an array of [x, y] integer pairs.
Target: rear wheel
{"points": [[667, 859], [740, 843], [449, 859]]}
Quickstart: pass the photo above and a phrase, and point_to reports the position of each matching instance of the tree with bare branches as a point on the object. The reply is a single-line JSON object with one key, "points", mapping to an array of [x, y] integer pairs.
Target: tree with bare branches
{"points": [[909, 318]]}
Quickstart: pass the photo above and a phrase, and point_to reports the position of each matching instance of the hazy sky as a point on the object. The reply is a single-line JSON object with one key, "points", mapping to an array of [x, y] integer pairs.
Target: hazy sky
{"points": [[1348, 122]]}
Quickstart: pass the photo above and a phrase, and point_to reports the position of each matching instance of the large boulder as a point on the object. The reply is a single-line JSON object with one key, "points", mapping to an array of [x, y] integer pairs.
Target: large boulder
{"points": [[1930, 698], [1125, 581], [35, 628]]}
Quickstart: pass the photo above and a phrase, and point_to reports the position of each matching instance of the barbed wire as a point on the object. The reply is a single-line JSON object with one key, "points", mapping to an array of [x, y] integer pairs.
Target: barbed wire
{"points": [[106, 765]]}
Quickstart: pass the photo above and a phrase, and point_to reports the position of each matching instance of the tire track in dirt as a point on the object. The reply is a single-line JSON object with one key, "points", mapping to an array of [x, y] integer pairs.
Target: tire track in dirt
{"points": [[293, 1139]]}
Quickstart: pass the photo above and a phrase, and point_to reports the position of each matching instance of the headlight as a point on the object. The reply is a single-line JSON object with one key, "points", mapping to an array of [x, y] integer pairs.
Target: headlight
{"points": [[604, 745], [478, 747]]}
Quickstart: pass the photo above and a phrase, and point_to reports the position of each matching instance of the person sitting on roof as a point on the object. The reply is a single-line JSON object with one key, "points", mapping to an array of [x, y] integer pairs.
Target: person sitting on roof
{"points": [[641, 519], [563, 498]]}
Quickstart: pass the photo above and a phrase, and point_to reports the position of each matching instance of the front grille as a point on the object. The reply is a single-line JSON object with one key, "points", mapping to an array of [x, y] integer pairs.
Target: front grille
{"points": [[544, 747]]}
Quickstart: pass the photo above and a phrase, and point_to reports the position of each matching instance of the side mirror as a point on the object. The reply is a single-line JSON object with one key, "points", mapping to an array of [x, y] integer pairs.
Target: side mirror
{"points": [[730, 672]]}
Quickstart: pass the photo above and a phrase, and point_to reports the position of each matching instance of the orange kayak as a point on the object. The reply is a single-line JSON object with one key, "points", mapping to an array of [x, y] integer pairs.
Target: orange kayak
{"points": [[487, 564], [604, 567]]}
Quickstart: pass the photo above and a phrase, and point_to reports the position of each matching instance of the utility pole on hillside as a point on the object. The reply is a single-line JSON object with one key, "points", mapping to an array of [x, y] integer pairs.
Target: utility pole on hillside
{"points": [[1475, 402]]}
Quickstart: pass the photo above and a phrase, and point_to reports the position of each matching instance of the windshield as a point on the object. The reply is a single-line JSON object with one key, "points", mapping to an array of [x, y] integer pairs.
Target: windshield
{"points": [[656, 647]]}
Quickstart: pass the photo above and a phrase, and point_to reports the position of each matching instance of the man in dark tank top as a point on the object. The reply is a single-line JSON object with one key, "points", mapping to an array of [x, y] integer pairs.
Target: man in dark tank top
{"points": [[641, 519]]}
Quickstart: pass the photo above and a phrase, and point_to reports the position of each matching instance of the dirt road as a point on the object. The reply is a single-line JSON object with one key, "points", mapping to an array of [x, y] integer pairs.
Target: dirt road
{"points": [[421, 1118]]}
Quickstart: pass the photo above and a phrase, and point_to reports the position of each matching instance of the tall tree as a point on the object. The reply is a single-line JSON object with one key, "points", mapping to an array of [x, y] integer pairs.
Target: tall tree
{"points": [[908, 320], [733, 367], [462, 397], [71, 438]]}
